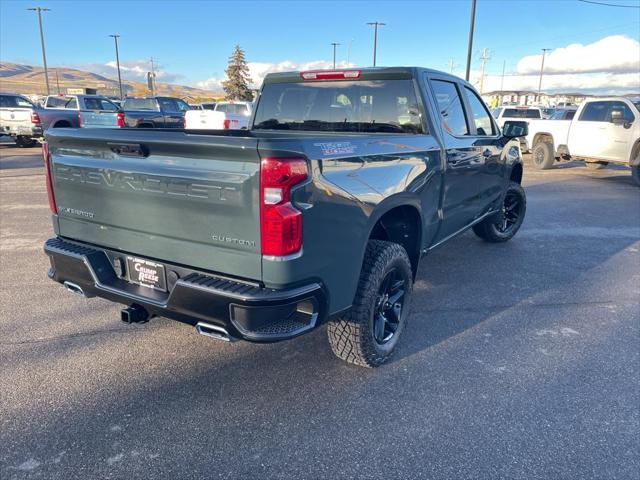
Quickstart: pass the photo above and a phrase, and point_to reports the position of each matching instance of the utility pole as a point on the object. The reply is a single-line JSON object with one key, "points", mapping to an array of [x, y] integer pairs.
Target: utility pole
{"points": [[470, 45], [486, 55], [544, 52], [44, 54], [452, 65], [57, 81], [115, 39], [335, 44], [504, 64], [153, 79], [375, 38]]}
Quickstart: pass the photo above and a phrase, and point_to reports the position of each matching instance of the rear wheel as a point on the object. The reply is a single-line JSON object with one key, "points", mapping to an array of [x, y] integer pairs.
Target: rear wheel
{"points": [[509, 220], [369, 333], [543, 156], [596, 165], [25, 142]]}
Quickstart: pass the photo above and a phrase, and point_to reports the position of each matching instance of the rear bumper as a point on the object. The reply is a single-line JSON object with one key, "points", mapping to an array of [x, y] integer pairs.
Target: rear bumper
{"points": [[34, 131], [246, 310]]}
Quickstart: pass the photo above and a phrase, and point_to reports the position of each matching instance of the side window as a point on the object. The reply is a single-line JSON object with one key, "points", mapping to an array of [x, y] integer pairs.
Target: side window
{"points": [[182, 106], [168, 105], [481, 116], [72, 104], [627, 114], [23, 102], [450, 107], [595, 112], [569, 114]]}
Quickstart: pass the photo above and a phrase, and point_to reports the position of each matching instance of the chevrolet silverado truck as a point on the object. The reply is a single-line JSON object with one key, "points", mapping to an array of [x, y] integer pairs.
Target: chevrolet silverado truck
{"points": [[602, 131], [154, 112], [19, 120], [319, 213], [79, 111]]}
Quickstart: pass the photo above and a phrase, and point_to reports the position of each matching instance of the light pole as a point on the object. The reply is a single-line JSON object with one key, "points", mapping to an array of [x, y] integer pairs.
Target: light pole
{"points": [[544, 52], [470, 46], [375, 38], [44, 54], [115, 39], [335, 44]]}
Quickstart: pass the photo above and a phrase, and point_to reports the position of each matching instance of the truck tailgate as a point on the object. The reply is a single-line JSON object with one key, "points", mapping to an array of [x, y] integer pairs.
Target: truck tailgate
{"points": [[97, 119], [167, 196]]}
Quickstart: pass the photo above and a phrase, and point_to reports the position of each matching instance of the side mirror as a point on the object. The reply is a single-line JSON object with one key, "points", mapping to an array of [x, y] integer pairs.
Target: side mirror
{"points": [[515, 129], [617, 118]]}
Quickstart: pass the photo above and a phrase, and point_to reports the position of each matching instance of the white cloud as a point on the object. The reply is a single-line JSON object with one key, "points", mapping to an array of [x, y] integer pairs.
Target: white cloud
{"points": [[135, 70], [592, 83], [610, 66], [614, 54], [258, 70]]}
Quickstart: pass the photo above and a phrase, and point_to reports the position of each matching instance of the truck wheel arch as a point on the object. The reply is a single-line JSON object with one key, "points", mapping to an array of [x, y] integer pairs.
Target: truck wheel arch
{"points": [[515, 175], [400, 224], [634, 160], [542, 137]]}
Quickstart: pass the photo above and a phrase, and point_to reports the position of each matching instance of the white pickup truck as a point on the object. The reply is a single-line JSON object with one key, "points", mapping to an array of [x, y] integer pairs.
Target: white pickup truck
{"points": [[224, 116], [603, 131]]}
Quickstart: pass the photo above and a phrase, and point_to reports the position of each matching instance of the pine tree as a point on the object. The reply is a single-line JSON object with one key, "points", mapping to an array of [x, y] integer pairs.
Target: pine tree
{"points": [[237, 84]]}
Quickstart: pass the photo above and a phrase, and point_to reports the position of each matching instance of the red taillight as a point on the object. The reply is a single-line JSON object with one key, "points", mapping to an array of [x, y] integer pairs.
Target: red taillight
{"points": [[79, 119], [280, 221], [225, 124], [120, 119], [35, 118], [331, 75], [48, 178]]}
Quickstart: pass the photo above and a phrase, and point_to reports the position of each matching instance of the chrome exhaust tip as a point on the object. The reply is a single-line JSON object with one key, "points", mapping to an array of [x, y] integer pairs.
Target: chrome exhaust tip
{"points": [[214, 331], [74, 288]]}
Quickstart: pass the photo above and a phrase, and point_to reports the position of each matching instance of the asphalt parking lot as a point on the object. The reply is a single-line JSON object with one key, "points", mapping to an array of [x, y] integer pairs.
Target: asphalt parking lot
{"points": [[520, 361]]}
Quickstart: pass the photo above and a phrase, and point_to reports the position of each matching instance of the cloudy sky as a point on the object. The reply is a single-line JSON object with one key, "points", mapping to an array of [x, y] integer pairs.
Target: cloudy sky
{"points": [[593, 48]]}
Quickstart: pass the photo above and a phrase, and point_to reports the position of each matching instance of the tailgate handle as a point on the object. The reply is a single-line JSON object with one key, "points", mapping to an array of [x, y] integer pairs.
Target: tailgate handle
{"points": [[129, 149]]}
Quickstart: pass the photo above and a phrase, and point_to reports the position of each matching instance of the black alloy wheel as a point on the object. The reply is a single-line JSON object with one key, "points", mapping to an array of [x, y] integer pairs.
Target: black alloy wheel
{"points": [[389, 303]]}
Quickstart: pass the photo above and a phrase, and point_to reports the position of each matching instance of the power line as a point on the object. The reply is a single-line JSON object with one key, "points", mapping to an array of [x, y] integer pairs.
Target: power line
{"points": [[609, 4]]}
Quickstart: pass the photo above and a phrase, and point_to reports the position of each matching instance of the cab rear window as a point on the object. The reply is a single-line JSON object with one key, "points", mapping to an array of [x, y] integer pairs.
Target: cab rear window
{"points": [[371, 106], [520, 113]]}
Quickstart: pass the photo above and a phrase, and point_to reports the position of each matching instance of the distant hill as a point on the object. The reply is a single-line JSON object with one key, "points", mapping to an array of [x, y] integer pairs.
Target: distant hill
{"points": [[28, 79]]}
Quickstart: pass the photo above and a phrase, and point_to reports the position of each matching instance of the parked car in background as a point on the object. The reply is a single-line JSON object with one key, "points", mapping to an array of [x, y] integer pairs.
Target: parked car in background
{"points": [[564, 113], [548, 112], [18, 119], [224, 116], [502, 114], [602, 131], [74, 111], [318, 213], [154, 112]]}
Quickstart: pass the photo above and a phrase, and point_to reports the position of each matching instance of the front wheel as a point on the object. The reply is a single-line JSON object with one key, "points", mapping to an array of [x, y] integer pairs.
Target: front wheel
{"points": [[509, 220], [369, 333], [543, 156]]}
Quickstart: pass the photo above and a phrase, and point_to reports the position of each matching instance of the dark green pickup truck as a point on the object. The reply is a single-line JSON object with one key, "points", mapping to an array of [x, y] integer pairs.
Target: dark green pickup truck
{"points": [[320, 212]]}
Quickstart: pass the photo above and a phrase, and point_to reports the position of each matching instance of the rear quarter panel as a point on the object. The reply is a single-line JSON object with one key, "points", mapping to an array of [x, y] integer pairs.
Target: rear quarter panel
{"points": [[355, 180]]}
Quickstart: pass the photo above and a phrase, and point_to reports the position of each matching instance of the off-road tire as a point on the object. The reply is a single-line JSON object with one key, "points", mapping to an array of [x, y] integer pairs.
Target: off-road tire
{"points": [[635, 173], [595, 165], [25, 142], [351, 336], [488, 229], [542, 156]]}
